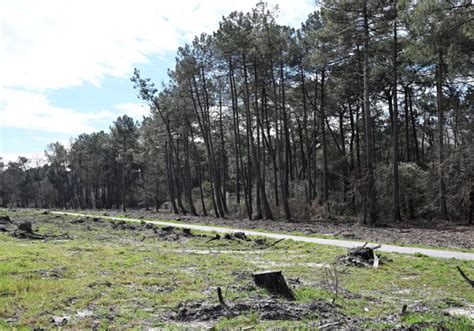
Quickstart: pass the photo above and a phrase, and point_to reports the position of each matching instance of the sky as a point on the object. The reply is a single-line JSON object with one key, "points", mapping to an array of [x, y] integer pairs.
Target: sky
{"points": [[65, 66]]}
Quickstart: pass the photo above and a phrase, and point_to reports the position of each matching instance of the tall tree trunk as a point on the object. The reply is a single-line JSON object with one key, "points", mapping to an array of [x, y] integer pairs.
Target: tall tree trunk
{"points": [[187, 178], [124, 208], [345, 183], [396, 216], [223, 157], [286, 131], [279, 148], [325, 183], [371, 198], [170, 180], [248, 134], [413, 125], [407, 133], [201, 110], [267, 139], [235, 119], [257, 161], [198, 170], [439, 102], [176, 170]]}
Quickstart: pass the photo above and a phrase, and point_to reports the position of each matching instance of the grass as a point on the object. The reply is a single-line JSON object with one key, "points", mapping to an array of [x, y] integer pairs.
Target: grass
{"points": [[124, 282]]}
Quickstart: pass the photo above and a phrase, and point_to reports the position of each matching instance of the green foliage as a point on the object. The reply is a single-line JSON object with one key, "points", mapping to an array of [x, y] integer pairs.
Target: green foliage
{"points": [[261, 120]]}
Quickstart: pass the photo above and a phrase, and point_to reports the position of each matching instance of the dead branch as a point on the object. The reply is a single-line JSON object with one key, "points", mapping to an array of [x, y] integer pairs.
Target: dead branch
{"points": [[324, 326], [274, 243], [216, 237], [466, 278]]}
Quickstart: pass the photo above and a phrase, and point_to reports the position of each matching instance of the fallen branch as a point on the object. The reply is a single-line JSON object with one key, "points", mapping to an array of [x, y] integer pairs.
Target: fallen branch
{"points": [[274, 243], [469, 281], [60, 236], [324, 326], [216, 237]]}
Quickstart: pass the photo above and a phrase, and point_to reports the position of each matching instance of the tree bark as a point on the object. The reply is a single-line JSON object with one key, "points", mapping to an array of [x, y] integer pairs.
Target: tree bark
{"points": [[371, 217], [439, 102], [396, 216]]}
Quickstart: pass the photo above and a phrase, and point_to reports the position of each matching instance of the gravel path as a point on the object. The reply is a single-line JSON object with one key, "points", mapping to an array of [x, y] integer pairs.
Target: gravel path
{"points": [[333, 242]]}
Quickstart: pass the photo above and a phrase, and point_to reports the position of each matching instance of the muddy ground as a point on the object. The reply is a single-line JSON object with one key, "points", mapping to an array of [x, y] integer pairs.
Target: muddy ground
{"points": [[432, 233]]}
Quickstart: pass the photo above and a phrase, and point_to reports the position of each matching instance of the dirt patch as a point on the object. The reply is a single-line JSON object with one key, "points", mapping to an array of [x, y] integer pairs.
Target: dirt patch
{"points": [[58, 272], [267, 309], [327, 314]]}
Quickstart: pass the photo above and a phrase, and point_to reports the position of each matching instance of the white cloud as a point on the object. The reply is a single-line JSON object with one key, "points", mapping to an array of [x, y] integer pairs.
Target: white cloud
{"points": [[52, 44], [61, 43], [32, 110], [134, 110]]}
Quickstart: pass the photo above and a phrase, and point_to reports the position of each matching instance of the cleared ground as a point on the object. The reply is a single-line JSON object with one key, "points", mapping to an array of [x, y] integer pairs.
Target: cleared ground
{"points": [[322, 241], [427, 233], [132, 275]]}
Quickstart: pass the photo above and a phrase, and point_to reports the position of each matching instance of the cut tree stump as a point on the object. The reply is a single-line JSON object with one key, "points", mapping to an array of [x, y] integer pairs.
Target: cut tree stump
{"points": [[26, 227], [5, 219], [273, 282]]}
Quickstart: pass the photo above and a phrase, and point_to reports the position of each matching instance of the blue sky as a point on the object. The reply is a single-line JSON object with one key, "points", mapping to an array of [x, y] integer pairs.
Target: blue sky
{"points": [[66, 64]]}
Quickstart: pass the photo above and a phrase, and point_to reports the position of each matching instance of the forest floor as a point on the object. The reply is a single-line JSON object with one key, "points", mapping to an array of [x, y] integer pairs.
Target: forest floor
{"points": [[92, 273], [433, 233]]}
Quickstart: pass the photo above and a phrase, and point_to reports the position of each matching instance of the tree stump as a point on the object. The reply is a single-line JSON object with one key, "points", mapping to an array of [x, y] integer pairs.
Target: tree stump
{"points": [[187, 232], [26, 227], [273, 282]]}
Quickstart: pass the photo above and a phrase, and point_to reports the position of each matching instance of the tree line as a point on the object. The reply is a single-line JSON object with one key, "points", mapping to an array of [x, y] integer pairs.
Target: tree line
{"points": [[365, 110]]}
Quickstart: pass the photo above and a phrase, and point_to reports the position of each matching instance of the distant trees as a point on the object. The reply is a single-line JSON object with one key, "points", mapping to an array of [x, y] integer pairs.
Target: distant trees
{"points": [[124, 134], [355, 113]]}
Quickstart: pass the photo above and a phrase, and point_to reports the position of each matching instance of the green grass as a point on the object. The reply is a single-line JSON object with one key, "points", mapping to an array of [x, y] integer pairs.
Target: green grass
{"points": [[127, 283]]}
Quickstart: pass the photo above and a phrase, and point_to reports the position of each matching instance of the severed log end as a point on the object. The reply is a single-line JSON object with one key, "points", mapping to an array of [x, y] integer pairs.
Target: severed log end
{"points": [[273, 282]]}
